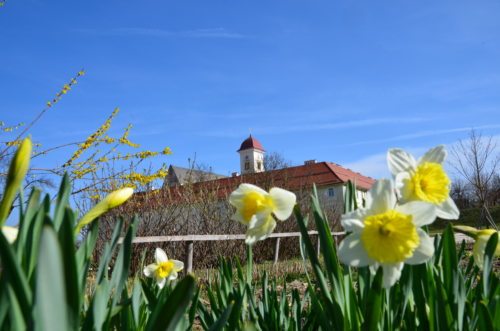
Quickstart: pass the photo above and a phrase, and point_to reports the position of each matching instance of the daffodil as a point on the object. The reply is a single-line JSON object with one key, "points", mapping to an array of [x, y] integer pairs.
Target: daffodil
{"points": [[112, 200], [10, 233], [387, 234], [164, 269], [255, 209], [423, 180], [481, 238], [17, 171]]}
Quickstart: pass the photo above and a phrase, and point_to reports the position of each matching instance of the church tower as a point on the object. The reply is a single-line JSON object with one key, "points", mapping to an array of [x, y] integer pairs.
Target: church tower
{"points": [[251, 156]]}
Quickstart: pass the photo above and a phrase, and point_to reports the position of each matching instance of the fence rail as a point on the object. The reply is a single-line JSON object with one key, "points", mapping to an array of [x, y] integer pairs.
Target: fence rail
{"points": [[190, 239]]}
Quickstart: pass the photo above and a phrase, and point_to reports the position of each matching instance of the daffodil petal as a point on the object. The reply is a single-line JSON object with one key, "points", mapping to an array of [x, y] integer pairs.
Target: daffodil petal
{"points": [[238, 217], [178, 265], [352, 252], [424, 251], [400, 161], [160, 255], [381, 197], [423, 213], [244, 189], [392, 273], [10, 233], [352, 222], [149, 270], [448, 210], [236, 197], [260, 231], [173, 275], [478, 250], [161, 282], [283, 202], [399, 183], [435, 155]]}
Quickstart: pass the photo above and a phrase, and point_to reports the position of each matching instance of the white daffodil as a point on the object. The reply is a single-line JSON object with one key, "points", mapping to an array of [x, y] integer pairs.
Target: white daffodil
{"points": [[10, 233], [386, 234], [255, 208], [164, 269], [481, 238], [424, 180]]}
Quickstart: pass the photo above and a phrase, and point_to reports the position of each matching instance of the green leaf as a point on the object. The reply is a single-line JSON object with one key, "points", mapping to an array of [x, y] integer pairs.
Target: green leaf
{"points": [[374, 308], [16, 315], [221, 322], [485, 322], [13, 275], [449, 261], [489, 255], [350, 201], [52, 313], [62, 203], [108, 251], [26, 219], [122, 263], [136, 301], [84, 253], [71, 280], [168, 313]]}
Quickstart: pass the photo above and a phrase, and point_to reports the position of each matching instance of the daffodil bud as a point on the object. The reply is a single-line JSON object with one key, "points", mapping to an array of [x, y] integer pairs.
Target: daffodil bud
{"points": [[468, 230], [112, 200], [478, 250], [17, 171]]}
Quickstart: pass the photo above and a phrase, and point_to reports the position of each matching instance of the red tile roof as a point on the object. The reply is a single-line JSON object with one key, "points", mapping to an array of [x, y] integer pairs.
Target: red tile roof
{"points": [[292, 178], [249, 143]]}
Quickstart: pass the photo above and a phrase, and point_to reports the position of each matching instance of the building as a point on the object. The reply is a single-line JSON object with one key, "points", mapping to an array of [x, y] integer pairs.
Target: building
{"points": [[178, 176], [330, 178]]}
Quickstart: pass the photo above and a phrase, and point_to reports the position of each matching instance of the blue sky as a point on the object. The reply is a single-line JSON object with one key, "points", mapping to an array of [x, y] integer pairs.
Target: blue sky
{"points": [[338, 81]]}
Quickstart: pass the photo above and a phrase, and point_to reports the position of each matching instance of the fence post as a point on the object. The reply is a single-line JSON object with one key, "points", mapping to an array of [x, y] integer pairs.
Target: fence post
{"points": [[189, 257], [276, 251]]}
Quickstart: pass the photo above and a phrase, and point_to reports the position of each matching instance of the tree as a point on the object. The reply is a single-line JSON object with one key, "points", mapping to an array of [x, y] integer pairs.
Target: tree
{"points": [[97, 165], [275, 161], [476, 160]]}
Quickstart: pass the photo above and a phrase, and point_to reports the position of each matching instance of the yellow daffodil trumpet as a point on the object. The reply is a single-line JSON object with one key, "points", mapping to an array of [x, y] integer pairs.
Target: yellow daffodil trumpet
{"points": [[423, 180], [255, 209], [17, 171], [164, 269], [112, 200], [387, 235]]}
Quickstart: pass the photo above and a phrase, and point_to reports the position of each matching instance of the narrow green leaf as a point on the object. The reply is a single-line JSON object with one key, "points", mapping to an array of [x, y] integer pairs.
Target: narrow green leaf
{"points": [[16, 315], [374, 308], [221, 322], [62, 202], [52, 313], [71, 280], [489, 255], [485, 322], [13, 275], [168, 314]]}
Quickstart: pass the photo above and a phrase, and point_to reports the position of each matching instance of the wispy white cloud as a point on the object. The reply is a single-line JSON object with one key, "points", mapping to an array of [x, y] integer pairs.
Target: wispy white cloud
{"points": [[163, 33], [374, 166], [426, 133], [305, 127]]}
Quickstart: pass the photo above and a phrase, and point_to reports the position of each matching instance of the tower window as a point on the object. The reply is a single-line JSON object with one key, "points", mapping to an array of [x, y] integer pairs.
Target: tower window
{"points": [[331, 192], [247, 165]]}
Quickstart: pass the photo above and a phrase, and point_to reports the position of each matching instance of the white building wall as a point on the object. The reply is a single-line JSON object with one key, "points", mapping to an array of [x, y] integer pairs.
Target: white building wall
{"points": [[254, 158]]}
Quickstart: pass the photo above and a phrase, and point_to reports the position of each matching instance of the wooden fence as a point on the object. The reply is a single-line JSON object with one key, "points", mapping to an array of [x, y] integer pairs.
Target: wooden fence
{"points": [[190, 239]]}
